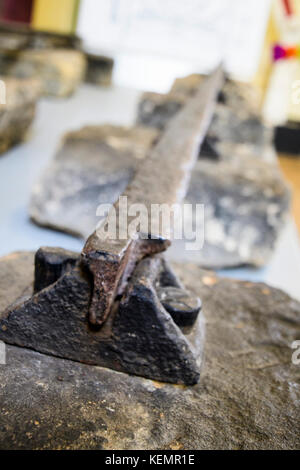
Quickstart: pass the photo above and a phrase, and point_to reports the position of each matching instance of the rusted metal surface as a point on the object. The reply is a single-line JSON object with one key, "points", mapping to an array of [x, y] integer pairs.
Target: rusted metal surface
{"points": [[162, 178]]}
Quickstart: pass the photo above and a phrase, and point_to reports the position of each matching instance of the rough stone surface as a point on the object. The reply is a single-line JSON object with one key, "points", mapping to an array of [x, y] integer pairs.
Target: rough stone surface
{"points": [[247, 398], [236, 119], [17, 114], [93, 166], [18, 37], [60, 71], [234, 94], [14, 41], [235, 124], [246, 203], [28, 53], [156, 109]]}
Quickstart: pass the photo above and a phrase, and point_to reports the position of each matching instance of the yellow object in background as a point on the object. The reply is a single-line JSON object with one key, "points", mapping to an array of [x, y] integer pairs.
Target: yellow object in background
{"points": [[296, 5], [262, 77], [282, 96], [58, 16]]}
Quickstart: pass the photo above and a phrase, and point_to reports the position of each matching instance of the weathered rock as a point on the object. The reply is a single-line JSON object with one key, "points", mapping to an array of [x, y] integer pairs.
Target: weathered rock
{"points": [[99, 70], [156, 109], [234, 94], [246, 204], [236, 126], [21, 36], [17, 114], [233, 127], [236, 119], [247, 398], [15, 40], [93, 166], [60, 71]]}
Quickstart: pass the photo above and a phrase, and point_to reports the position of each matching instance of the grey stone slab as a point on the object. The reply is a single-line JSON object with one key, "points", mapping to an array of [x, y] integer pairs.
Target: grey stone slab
{"points": [[236, 118], [18, 111], [59, 71], [93, 166], [246, 206]]}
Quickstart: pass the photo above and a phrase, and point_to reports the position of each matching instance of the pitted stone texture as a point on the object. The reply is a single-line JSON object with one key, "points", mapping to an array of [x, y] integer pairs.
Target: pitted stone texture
{"points": [[248, 396], [60, 71], [232, 130], [236, 119], [234, 94], [246, 204], [17, 114], [156, 109], [93, 166]]}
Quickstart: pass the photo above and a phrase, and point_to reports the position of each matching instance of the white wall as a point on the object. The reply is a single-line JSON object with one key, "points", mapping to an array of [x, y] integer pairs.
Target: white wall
{"points": [[155, 40]]}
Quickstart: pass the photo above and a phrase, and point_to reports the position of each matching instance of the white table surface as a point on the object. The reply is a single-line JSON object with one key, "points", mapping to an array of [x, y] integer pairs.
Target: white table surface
{"points": [[21, 167]]}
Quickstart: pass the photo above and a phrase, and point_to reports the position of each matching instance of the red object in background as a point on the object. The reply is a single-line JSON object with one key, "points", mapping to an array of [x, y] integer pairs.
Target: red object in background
{"points": [[287, 7], [16, 10]]}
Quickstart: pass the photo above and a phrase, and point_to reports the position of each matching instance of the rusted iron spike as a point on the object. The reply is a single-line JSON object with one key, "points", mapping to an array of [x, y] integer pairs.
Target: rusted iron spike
{"points": [[162, 178]]}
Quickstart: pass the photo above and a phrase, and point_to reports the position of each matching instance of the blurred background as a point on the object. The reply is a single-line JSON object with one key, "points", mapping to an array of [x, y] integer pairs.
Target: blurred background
{"points": [[93, 58], [153, 42]]}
